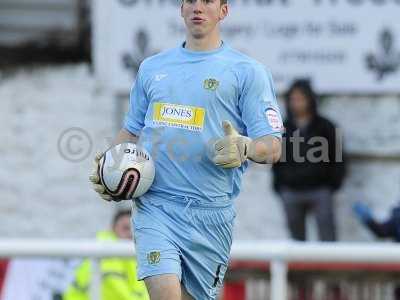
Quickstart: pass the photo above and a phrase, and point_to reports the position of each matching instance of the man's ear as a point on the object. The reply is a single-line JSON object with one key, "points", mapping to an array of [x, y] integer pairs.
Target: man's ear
{"points": [[223, 12]]}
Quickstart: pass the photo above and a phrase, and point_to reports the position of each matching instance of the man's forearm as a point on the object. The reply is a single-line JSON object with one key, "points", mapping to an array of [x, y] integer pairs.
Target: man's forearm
{"points": [[265, 150], [125, 136]]}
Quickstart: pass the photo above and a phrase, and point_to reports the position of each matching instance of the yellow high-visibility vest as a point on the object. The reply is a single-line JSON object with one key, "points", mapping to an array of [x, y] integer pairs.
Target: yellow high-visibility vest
{"points": [[119, 279]]}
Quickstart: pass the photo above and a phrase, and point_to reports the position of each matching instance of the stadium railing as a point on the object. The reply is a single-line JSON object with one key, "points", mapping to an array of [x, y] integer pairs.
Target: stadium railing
{"points": [[250, 280], [278, 255]]}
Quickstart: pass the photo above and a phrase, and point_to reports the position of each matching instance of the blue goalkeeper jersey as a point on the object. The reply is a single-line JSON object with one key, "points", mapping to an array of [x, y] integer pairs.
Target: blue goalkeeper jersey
{"points": [[177, 105]]}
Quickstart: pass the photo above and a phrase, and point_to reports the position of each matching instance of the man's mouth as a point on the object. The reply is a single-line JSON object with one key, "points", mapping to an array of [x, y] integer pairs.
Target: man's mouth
{"points": [[197, 20]]}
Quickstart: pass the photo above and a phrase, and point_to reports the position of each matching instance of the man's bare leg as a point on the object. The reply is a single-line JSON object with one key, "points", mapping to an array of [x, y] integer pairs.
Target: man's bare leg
{"points": [[166, 287]]}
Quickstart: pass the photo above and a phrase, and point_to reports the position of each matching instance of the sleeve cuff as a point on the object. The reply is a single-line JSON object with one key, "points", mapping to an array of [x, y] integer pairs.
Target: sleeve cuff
{"points": [[132, 128], [261, 133]]}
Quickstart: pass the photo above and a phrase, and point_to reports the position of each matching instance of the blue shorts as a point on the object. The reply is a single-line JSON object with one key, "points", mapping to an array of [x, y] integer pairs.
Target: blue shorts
{"points": [[186, 239]]}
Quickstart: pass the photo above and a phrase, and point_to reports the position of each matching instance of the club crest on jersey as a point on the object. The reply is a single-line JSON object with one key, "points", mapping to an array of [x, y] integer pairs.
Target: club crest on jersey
{"points": [[211, 84], [153, 257]]}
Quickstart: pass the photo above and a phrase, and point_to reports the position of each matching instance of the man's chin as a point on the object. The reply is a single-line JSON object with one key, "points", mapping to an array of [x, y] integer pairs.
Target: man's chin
{"points": [[198, 35]]}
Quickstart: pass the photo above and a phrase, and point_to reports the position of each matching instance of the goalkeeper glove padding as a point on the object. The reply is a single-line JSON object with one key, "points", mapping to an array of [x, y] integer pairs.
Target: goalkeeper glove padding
{"points": [[233, 149]]}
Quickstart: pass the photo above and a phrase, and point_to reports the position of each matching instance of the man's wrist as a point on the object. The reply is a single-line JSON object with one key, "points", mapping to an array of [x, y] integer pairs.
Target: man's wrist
{"points": [[250, 148], [265, 150], [257, 151]]}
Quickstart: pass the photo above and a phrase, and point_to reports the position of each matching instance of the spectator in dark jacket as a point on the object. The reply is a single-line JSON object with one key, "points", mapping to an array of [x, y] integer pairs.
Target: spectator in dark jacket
{"points": [[311, 167]]}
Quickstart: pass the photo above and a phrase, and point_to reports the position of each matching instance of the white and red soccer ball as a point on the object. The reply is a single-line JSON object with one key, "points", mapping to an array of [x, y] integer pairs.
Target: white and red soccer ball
{"points": [[126, 171]]}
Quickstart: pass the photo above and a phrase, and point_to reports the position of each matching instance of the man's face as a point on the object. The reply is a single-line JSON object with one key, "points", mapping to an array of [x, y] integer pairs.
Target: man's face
{"points": [[298, 103], [202, 16], [122, 228]]}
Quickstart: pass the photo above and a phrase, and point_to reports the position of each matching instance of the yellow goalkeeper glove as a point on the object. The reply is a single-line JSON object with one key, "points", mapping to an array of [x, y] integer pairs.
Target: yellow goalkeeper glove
{"points": [[233, 149], [95, 179]]}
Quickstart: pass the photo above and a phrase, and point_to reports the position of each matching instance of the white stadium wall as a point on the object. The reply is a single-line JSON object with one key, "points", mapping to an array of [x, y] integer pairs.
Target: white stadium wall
{"points": [[44, 195]]}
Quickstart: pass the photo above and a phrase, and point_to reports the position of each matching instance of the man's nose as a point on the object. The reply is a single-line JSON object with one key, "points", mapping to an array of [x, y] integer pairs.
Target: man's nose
{"points": [[198, 6]]}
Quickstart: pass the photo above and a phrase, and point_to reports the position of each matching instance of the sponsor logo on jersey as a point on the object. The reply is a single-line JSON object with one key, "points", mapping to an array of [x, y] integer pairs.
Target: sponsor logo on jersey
{"points": [[153, 257], [211, 84], [179, 116]]}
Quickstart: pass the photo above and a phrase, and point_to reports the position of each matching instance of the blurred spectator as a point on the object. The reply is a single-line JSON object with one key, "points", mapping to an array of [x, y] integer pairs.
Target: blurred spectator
{"points": [[119, 280], [311, 167], [389, 228]]}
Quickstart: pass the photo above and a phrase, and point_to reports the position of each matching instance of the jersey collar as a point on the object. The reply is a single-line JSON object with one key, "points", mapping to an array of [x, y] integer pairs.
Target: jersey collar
{"points": [[202, 53]]}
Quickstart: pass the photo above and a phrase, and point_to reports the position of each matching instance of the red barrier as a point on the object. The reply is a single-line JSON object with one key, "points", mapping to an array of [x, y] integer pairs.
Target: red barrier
{"points": [[235, 291], [3, 271]]}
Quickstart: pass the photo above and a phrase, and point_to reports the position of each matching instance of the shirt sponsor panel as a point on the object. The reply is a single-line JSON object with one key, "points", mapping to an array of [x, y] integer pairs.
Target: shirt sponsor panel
{"points": [[179, 116]]}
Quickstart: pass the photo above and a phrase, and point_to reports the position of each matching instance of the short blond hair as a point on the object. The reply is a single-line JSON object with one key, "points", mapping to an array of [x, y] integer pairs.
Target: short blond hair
{"points": [[222, 1]]}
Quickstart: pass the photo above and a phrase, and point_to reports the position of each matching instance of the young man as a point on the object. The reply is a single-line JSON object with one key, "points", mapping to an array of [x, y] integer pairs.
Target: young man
{"points": [[201, 109]]}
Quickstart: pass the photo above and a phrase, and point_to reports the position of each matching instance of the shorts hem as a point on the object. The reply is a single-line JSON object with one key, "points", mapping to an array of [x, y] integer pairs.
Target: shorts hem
{"points": [[145, 275], [189, 290]]}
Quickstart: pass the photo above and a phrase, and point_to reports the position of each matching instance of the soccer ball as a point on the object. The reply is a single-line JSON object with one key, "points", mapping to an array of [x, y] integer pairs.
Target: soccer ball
{"points": [[126, 171]]}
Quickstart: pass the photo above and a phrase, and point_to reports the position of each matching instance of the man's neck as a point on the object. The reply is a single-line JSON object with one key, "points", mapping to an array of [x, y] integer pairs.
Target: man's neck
{"points": [[203, 44]]}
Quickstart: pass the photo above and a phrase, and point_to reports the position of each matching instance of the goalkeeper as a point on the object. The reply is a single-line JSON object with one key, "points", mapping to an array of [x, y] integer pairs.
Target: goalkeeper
{"points": [[202, 110]]}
